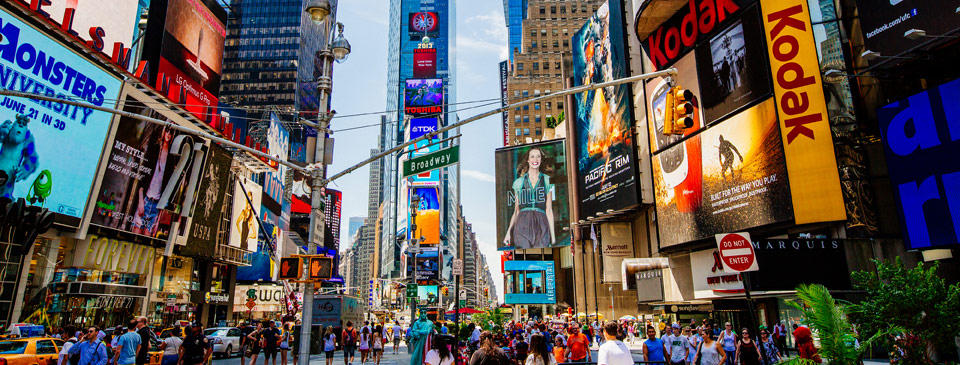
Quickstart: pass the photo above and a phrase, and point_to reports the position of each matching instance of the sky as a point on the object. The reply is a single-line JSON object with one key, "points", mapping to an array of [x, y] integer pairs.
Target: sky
{"points": [[360, 86]]}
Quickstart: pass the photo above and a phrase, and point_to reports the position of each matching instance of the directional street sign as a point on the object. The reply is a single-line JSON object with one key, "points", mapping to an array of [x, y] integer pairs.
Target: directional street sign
{"points": [[435, 160], [411, 290]]}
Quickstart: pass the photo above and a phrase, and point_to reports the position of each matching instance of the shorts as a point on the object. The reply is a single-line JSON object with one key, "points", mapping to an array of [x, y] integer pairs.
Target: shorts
{"points": [[348, 351], [270, 352], [396, 340], [329, 354], [681, 362], [254, 350], [377, 351], [522, 358], [582, 359]]}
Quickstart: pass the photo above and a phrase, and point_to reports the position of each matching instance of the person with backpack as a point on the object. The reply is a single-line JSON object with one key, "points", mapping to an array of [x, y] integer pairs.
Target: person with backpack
{"points": [[91, 350], [520, 348], [67, 335], [171, 349], [348, 340], [488, 353]]}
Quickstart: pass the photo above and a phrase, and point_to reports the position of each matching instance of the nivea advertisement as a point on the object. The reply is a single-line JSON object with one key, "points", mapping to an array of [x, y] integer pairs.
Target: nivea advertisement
{"points": [[50, 151]]}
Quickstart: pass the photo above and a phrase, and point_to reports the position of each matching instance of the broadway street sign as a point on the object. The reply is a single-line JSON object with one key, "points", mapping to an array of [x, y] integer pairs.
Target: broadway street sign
{"points": [[431, 161]]}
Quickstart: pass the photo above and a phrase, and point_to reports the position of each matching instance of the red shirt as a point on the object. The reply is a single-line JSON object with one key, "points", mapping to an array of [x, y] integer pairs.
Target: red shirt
{"points": [[579, 345]]}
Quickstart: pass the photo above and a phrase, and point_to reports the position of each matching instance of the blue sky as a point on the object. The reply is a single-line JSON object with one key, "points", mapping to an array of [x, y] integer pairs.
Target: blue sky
{"points": [[359, 86]]}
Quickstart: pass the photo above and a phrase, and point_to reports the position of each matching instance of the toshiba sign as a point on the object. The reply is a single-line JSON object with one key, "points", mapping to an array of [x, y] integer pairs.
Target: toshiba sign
{"points": [[681, 32]]}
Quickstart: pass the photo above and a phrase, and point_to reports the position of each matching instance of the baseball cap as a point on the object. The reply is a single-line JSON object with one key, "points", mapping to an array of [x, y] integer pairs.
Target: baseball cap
{"points": [[675, 326]]}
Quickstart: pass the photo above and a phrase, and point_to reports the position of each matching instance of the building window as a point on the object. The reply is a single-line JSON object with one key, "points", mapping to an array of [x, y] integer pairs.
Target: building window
{"points": [[573, 9], [533, 33], [526, 119], [526, 107], [516, 119], [543, 32], [554, 32], [543, 10], [519, 67], [536, 66], [556, 43], [536, 92], [560, 105], [526, 131], [546, 65], [539, 131], [553, 10], [517, 132], [557, 65], [548, 106], [533, 44], [536, 106], [566, 43], [563, 10], [536, 119], [526, 93]]}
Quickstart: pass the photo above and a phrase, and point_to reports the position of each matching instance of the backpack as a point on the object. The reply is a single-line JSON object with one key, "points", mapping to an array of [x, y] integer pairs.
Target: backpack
{"points": [[522, 347], [349, 337]]}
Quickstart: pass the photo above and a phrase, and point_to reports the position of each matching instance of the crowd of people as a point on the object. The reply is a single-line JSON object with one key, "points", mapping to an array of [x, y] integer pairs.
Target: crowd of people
{"points": [[131, 345]]}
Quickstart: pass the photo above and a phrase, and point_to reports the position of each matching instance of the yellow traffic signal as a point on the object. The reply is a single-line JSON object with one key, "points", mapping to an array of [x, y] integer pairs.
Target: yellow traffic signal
{"points": [[445, 290], [678, 111]]}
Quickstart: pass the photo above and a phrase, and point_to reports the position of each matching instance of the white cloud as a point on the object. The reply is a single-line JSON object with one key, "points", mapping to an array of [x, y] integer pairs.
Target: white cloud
{"points": [[489, 37], [478, 175]]}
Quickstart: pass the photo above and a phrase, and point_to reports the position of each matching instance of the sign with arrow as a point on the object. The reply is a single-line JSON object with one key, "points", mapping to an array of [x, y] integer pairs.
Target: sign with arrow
{"points": [[435, 160]]}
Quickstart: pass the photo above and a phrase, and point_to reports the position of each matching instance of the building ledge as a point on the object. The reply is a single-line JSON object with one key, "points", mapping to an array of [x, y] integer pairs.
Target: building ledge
{"points": [[653, 13]]}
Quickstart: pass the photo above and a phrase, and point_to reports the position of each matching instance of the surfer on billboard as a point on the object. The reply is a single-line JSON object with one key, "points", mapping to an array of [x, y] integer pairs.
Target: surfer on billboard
{"points": [[531, 225]]}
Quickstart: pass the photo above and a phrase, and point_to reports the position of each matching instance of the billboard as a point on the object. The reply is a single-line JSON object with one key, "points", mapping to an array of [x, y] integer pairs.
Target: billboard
{"points": [[428, 294], [184, 43], [142, 163], [423, 97], [925, 183], [300, 191], [236, 120], [529, 282], [725, 84], [503, 102], [616, 244], [211, 196], [428, 214], [603, 141], [425, 63], [424, 23], [802, 110], [885, 22], [427, 263], [417, 128], [50, 150], [332, 209], [685, 29], [743, 183], [532, 195], [278, 145], [246, 208]]}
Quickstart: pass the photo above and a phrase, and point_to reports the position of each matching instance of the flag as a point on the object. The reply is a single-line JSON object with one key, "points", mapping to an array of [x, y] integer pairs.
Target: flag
{"points": [[593, 236]]}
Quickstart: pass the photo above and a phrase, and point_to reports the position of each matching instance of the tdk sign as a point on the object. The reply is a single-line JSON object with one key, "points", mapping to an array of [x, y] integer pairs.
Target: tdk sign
{"points": [[421, 126], [921, 136]]}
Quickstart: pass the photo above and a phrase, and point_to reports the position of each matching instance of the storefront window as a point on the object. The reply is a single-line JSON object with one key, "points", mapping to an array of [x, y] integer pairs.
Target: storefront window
{"points": [[534, 282], [790, 316], [170, 298]]}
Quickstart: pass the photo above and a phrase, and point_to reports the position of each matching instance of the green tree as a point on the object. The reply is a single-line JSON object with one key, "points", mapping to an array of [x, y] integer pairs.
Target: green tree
{"points": [[494, 315], [554, 122], [917, 302]]}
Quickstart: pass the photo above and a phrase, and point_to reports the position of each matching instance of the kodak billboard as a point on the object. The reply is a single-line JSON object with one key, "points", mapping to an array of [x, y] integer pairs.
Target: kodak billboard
{"points": [[802, 112]]}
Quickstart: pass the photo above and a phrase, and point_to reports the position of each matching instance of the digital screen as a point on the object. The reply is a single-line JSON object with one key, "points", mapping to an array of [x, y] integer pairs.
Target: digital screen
{"points": [[58, 146], [531, 187], [529, 282], [428, 214], [424, 23], [428, 294], [425, 63], [278, 145], [423, 97], [885, 22]]}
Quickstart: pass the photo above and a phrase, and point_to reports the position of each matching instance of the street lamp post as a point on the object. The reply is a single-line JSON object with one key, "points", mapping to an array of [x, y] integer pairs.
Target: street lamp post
{"points": [[330, 51]]}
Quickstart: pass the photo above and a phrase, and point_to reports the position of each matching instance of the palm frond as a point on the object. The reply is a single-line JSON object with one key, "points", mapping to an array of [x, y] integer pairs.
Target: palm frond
{"points": [[829, 321]]}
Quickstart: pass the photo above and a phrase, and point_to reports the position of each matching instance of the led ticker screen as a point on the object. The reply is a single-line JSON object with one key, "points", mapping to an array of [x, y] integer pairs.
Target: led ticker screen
{"points": [[423, 96]]}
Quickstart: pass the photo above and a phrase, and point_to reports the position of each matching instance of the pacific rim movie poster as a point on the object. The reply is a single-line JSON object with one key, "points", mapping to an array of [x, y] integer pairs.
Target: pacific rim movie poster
{"points": [[606, 169], [744, 181], [532, 195]]}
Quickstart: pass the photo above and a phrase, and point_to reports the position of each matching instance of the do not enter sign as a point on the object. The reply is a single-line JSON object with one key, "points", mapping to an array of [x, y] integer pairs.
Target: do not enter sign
{"points": [[736, 252]]}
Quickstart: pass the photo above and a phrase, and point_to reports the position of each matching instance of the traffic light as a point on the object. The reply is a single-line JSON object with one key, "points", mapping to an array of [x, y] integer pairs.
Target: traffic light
{"points": [[321, 267], [486, 292], [678, 111], [290, 268], [445, 290]]}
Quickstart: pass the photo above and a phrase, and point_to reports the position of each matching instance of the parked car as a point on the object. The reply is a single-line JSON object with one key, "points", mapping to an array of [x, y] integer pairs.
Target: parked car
{"points": [[226, 340], [30, 351]]}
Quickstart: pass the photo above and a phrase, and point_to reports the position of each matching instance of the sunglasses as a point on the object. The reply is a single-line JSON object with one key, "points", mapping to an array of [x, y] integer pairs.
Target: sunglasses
{"points": [[91, 331]]}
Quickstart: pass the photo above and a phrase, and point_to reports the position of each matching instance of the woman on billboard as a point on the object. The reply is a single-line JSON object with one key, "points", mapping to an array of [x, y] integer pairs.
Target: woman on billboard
{"points": [[531, 225]]}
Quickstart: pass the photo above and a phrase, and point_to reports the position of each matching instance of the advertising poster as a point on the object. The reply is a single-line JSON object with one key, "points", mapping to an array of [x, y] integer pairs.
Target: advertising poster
{"points": [[235, 119], [709, 278], [211, 195], [425, 63], [417, 128], [503, 102], [428, 294], [530, 282], [278, 145], [333, 208], [50, 150], [423, 97], [924, 182], [140, 167], [428, 214], [657, 90], [403, 205], [685, 29], [262, 263], [189, 55], [616, 244], [118, 24], [802, 111], [246, 208], [531, 186], [604, 145], [885, 22], [724, 59], [744, 182], [428, 264], [300, 193], [423, 24]]}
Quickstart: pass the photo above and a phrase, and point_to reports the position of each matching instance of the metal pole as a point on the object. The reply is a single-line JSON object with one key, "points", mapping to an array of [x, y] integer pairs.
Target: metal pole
{"points": [[459, 278]]}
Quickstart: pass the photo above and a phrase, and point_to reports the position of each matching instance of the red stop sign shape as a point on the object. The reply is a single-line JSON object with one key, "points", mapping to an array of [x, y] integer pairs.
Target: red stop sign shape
{"points": [[736, 251]]}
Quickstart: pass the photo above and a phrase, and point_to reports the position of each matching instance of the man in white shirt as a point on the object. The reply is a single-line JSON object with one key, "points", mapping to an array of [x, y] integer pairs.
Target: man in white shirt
{"points": [[677, 346], [613, 352]]}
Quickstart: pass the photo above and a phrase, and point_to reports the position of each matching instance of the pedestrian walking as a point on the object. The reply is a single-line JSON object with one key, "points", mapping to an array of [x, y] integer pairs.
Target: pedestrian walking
{"points": [[488, 352], [768, 348], [348, 341], [709, 352], [439, 353], [558, 350], [728, 339], [285, 337], [196, 348], [520, 348], [780, 337], [613, 351], [127, 346], [67, 334], [329, 345], [376, 344], [91, 350], [653, 346], [578, 346], [364, 344], [254, 344], [171, 349], [693, 342], [270, 343], [747, 351], [146, 335], [539, 354], [677, 346]]}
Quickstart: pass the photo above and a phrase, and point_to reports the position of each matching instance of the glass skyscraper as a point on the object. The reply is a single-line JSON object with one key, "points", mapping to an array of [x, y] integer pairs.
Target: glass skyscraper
{"points": [[515, 11]]}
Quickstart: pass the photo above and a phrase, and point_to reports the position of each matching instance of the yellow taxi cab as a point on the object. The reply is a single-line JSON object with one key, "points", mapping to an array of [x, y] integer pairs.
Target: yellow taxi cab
{"points": [[156, 355], [30, 351]]}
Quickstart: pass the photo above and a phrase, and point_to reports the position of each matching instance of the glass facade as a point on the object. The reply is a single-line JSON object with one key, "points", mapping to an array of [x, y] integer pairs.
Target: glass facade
{"points": [[515, 11]]}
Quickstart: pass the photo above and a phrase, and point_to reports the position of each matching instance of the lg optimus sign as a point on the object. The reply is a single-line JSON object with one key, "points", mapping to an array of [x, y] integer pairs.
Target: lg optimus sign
{"points": [[679, 34], [736, 252]]}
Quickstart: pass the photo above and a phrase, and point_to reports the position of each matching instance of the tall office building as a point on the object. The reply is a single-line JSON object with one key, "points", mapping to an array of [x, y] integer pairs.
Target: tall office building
{"points": [[421, 82], [540, 56]]}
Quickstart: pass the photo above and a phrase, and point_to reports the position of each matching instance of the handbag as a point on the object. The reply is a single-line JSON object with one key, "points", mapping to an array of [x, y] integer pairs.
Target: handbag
{"points": [[698, 360]]}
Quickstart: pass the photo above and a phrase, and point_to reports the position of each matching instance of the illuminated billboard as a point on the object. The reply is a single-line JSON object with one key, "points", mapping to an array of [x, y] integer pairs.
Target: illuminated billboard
{"points": [[423, 97], [184, 43], [58, 147], [425, 63], [278, 145], [417, 128], [529, 282], [421, 24], [428, 214], [531, 185]]}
